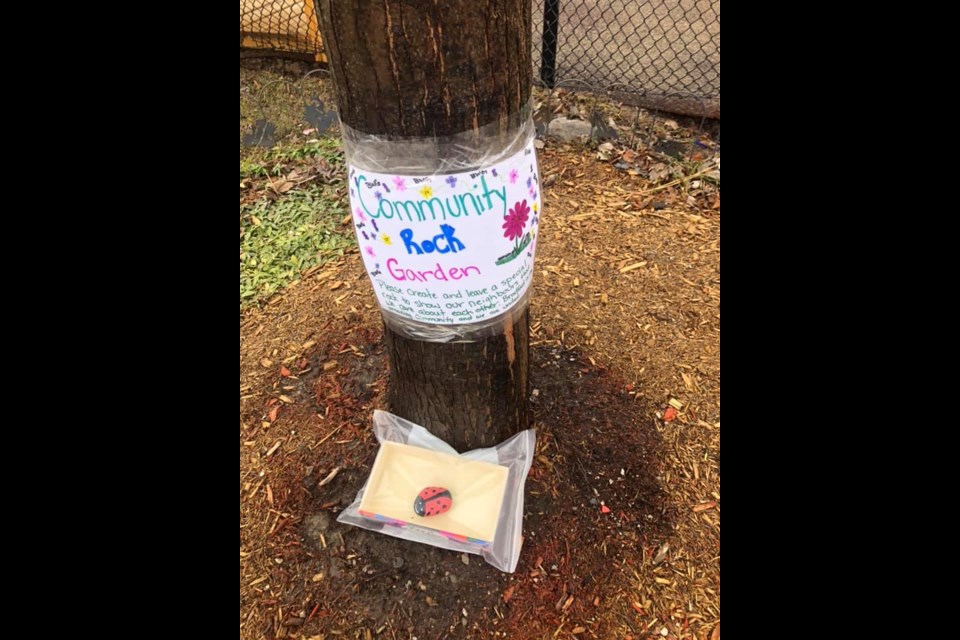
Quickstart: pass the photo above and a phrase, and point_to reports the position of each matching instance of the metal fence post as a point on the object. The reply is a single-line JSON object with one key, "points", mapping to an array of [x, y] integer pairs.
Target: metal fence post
{"points": [[548, 51]]}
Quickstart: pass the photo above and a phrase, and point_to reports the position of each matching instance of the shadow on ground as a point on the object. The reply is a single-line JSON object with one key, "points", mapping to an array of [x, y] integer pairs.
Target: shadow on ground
{"points": [[597, 449]]}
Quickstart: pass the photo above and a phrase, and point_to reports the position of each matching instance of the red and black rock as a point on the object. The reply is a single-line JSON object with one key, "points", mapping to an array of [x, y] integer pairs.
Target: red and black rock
{"points": [[432, 501]]}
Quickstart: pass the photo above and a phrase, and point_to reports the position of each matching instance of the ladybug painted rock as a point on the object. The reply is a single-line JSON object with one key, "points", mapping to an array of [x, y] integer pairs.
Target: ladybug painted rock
{"points": [[432, 501]]}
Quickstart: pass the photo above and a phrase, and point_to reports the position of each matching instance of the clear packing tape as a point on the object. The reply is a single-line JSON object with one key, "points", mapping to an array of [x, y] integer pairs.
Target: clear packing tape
{"points": [[439, 159]]}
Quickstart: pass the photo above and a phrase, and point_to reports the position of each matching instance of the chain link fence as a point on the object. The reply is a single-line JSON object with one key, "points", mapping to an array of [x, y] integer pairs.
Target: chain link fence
{"points": [[289, 26], [665, 53]]}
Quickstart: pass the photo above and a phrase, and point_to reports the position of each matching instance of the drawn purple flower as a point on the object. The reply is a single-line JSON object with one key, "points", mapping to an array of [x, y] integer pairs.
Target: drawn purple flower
{"points": [[516, 220], [377, 195], [513, 176], [452, 181], [529, 182], [398, 184]]}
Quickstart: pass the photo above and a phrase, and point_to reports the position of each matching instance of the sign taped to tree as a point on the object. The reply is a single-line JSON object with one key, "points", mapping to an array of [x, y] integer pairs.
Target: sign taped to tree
{"points": [[449, 248]]}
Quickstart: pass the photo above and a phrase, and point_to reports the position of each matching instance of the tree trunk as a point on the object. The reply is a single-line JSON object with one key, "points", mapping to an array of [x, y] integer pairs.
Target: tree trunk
{"points": [[428, 68]]}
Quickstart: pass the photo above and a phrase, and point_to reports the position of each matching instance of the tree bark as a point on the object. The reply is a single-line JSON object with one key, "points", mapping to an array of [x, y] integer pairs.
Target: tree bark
{"points": [[429, 68]]}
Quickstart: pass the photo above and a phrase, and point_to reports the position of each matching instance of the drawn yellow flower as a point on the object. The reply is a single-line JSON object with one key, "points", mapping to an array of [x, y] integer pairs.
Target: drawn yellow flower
{"points": [[386, 240], [535, 207], [426, 192]]}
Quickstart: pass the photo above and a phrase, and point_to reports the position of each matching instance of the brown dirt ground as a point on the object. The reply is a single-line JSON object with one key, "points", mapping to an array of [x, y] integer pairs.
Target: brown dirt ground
{"points": [[613, 343]]}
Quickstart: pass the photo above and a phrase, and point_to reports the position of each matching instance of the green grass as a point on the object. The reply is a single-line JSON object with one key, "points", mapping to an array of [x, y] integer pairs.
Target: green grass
{"points": [[283, 236], [281, 239], [260, 163]]}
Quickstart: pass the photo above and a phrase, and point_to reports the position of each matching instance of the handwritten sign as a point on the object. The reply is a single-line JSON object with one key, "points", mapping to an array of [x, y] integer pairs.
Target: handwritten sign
{"points": [[449, 248]]}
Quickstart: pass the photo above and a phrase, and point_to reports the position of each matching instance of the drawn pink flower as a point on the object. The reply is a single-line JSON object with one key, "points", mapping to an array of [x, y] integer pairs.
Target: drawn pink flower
{"points": [[398, 183], [370, 252], [516, 220], [513, 176], [360, 215]]}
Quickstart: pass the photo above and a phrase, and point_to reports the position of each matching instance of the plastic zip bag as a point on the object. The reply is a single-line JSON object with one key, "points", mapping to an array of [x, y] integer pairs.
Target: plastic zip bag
{"points": [[472, 479]]}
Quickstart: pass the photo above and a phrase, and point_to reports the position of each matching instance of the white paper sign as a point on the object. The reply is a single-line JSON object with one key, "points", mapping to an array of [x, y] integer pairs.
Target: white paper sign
{"points": [[451, 248]]}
